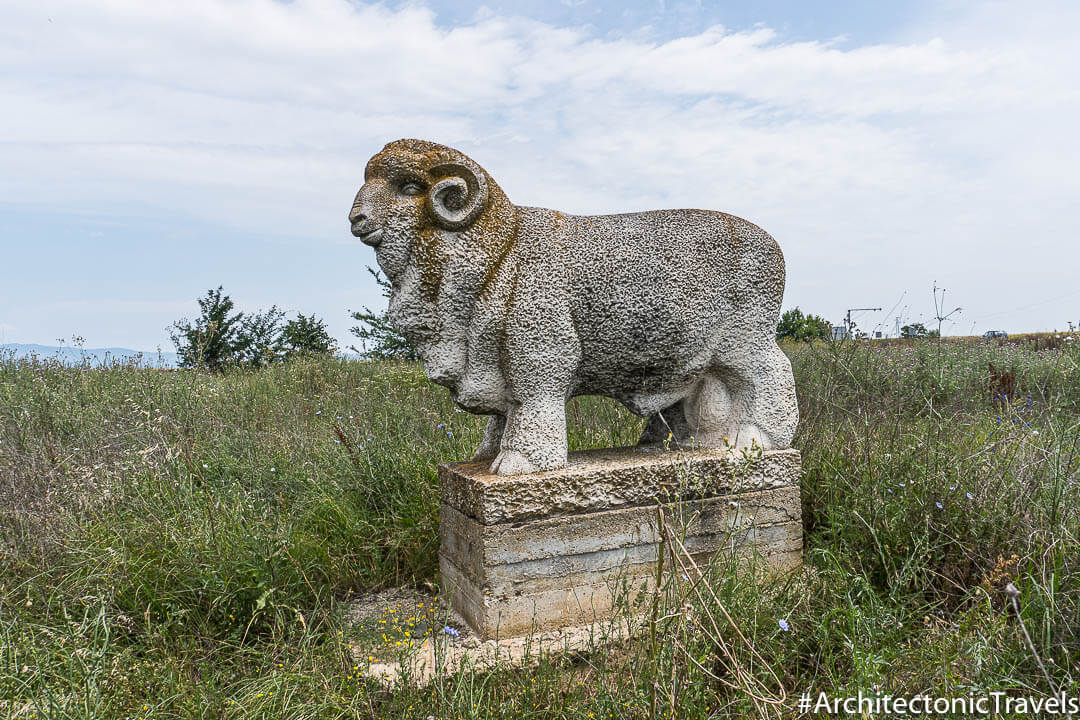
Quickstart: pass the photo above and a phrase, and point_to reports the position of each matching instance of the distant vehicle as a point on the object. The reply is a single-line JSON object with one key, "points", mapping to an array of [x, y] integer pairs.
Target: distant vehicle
{"points": [[992, 334]]}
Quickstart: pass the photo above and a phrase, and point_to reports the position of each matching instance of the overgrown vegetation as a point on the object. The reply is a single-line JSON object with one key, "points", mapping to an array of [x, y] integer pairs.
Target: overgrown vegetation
{"points": [[182, 544]]}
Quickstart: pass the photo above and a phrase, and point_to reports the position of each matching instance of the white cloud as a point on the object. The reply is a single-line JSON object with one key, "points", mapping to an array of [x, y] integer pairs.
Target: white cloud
{"points": [[946, 155]]}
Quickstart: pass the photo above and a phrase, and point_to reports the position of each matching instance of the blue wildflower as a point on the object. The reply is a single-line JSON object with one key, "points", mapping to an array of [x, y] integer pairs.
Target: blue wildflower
{"points": [[784, 625], [452, 632], [441, 426], [939, 505], [970, 496]]}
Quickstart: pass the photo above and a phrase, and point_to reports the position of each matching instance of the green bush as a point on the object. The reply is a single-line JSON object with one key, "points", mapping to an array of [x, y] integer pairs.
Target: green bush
{"points": [[794, 325]]}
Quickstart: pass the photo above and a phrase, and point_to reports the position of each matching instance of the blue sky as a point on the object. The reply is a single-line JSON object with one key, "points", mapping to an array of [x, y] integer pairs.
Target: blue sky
{"points": [[150, 151], [857, 20]]}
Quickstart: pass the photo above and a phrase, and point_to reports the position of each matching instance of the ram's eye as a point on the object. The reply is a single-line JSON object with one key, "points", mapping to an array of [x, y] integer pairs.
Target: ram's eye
{"points": [[412, 188]]}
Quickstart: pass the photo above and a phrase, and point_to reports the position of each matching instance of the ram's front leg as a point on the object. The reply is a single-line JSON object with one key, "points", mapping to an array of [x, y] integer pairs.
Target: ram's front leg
{"points": [[534, 438], [493, 433], [542, 354]]}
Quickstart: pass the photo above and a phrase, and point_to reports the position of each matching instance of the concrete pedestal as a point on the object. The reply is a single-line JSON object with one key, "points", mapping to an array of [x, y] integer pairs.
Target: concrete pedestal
{"points": [[542, 551]]}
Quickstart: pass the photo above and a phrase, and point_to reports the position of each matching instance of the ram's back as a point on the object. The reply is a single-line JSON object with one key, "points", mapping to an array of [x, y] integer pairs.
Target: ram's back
{"points": [[660, 287]]}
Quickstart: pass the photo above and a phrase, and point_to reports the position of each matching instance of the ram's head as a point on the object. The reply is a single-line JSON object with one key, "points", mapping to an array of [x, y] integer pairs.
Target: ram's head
{"points": [[414, 190], [439, 225]]}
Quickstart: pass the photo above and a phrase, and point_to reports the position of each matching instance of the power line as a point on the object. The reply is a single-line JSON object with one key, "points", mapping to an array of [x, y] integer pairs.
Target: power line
{"points": [[1028, 307], [893, 308]]}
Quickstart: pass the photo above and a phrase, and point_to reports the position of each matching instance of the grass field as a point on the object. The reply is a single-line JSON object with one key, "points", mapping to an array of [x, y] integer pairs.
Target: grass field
{"points": [[184, 545]]}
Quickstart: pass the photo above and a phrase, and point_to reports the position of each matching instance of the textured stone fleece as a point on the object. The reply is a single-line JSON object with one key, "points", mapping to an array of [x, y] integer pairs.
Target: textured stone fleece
{"points": [[517, 309]]}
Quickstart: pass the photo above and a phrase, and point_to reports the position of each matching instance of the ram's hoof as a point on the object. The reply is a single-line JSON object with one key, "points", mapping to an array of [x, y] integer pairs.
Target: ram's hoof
{"points": [[484, 453], [511, 462], [748, 436]]}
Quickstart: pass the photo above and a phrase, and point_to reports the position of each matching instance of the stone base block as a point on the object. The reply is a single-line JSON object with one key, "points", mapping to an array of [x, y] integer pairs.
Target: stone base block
{"points": [[543, 551]]}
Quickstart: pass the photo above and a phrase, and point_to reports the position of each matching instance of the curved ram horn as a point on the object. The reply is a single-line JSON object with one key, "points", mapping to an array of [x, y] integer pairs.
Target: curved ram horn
{"points": [[459, 198]]}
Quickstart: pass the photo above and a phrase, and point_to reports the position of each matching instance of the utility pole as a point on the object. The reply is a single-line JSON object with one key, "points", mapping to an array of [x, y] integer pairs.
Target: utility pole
{"points": [[851, 310], [939, 307]]}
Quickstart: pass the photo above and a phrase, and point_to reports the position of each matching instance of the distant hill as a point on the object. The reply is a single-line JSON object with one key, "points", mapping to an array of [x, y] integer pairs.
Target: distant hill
{"points": [[96, 356]]}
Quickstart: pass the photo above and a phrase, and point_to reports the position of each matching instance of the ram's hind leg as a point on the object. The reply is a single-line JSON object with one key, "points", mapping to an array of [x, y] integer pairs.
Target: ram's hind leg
{"points": [[711, 415], [747, 399], [493, 432], [671, 421]]}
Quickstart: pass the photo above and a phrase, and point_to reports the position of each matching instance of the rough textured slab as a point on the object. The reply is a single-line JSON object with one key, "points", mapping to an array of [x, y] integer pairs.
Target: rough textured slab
{"points": [[446, 656], [533, 576], [524, 553], [596, 480], [556, 602], [555, 542], [522, 614]]}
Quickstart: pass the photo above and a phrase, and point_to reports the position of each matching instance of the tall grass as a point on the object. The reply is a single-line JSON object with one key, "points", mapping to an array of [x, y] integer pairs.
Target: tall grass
{"points": [[176, 544]]}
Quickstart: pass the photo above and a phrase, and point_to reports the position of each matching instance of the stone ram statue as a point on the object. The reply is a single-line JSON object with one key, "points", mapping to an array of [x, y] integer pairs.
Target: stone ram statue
{"points": [[517, 309]]}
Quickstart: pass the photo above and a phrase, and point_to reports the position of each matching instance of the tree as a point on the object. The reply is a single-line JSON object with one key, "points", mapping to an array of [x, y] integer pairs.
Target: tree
{"points": [[219, 339], [211, 341], [794, 325], [260, 341], [379, 339], [918, 330], [307, 335]]}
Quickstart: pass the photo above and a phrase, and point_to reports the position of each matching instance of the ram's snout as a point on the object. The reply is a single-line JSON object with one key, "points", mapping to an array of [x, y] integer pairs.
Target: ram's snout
{"points": [[363, 227], [368, 233]]}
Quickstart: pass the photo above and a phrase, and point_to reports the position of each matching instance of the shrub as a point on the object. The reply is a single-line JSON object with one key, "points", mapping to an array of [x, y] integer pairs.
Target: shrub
{"points": [[794, 325], [379, 339]]}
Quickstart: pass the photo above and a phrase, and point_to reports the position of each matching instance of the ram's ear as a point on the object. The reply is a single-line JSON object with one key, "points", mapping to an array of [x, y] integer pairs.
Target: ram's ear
{"points": [[459, 197]]}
